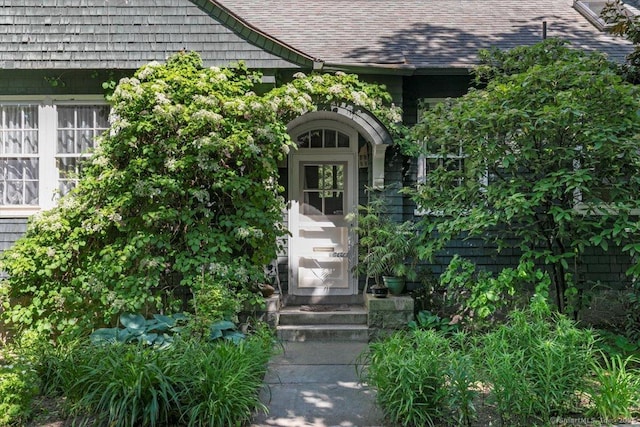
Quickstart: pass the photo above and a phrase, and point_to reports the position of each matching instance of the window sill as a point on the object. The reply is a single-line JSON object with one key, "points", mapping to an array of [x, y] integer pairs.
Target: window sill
{"points": [[18, 211]]}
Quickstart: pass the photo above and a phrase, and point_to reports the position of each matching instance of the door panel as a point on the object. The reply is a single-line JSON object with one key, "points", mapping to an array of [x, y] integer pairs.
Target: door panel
{"points": [[321, 242]]}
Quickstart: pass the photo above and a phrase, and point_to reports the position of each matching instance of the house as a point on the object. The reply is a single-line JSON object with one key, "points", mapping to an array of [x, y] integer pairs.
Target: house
{"points": [[55, 55]]}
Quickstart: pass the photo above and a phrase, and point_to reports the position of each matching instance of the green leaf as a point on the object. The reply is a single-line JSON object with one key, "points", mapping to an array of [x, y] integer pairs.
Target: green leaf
{"points": [[235, 337], [104, 335], [134, 322]]}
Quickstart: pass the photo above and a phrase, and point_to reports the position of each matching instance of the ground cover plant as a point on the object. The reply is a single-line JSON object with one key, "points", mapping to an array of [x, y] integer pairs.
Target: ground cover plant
{"points": [[102, 381], [535, 369]]}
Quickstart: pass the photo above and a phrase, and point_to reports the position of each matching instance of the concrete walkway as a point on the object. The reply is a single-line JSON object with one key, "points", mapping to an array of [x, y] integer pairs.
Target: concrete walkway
{"points": [[316, 384]]}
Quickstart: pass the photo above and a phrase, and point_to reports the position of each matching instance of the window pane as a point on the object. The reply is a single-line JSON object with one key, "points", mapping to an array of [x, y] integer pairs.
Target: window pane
{"points": [[316, 138], [85, 141], [30, 169], [66, 118], [13, 117], [329, 138], [30, 142], [303, 140], [312, 204], [14, 194], [13, 142], [31, 193], [19, 139], [19, 182], [66, 141], [18, 129], [85, 118], [68, 168], [343, 140]]}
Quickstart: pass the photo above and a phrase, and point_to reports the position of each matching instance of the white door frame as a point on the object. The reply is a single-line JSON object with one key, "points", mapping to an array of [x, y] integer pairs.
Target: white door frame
{"points": [[329, 155]]}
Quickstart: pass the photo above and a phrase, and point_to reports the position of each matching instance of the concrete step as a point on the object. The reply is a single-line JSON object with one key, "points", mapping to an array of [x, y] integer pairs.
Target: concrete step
{"points": [[334, 322], [296, 316], [300, 333], [293, 300]]}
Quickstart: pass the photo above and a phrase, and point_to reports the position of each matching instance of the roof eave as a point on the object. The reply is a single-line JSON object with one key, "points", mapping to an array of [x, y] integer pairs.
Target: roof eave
{"points": [[395, 69], [254, 35]]}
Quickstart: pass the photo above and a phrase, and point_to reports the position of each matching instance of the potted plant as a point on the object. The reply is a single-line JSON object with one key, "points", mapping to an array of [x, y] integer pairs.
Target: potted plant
{"points": [[387, 249]]}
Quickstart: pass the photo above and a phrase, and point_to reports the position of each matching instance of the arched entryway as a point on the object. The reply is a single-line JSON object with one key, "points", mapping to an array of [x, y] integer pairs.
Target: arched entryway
{"points": [[339, 152]]}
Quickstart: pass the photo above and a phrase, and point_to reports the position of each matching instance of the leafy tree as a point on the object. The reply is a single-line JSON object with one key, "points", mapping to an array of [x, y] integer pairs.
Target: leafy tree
{"points": [[625, 24], [551, 160], [181, 191]]}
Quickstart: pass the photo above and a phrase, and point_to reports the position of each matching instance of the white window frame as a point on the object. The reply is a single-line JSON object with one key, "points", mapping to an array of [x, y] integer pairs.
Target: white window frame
{"points": [[47, 148], [591, 10]]}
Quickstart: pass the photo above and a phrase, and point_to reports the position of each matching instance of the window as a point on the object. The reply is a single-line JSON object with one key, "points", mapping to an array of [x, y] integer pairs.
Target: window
{"points": [[19, 156], [78, 126], [444, 161], [41, 148], [323, 138], [600, 198], [428, 163], [453, 162], [323, 189], [592, 11]]}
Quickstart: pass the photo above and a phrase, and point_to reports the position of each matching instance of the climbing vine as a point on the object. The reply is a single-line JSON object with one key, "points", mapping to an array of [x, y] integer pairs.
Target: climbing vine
{"points": [[181, 194]]}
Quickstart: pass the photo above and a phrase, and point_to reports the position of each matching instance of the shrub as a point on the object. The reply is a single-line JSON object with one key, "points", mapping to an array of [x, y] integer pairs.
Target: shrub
{"points": [[180, 194], [20, 379], [18, 387]]}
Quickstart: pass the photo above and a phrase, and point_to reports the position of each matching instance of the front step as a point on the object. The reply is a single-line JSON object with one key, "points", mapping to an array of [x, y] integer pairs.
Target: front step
{"points": [[296, 324]]}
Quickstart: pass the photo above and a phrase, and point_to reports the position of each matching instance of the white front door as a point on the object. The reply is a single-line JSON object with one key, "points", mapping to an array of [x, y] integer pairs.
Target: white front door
{"points": [[322, 191]]}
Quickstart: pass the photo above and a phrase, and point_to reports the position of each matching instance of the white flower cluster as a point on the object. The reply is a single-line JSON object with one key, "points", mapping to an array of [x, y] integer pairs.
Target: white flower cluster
{"points": [[206, 101], [128, 90], [335, 89], [265, 132], [217, 76], [162, 99], [208, 115], [147, 71], [171, 164], [359, 97], [118, 124]]}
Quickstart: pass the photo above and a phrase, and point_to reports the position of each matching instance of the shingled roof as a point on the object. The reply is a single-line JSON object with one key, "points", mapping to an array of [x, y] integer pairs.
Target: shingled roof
{"points": [[406, 36], [418, 35], [120, 34]]}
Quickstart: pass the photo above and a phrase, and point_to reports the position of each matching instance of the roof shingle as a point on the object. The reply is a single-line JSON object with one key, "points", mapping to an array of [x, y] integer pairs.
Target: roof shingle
{"points": [[419, 34]]}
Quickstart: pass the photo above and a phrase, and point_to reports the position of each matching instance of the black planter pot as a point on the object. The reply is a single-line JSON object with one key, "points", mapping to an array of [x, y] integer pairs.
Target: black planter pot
{"points": [[379, 291]]}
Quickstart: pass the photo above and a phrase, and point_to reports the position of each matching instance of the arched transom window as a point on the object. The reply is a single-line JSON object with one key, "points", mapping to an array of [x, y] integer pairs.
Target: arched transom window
{"points": [[322, 138]]}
